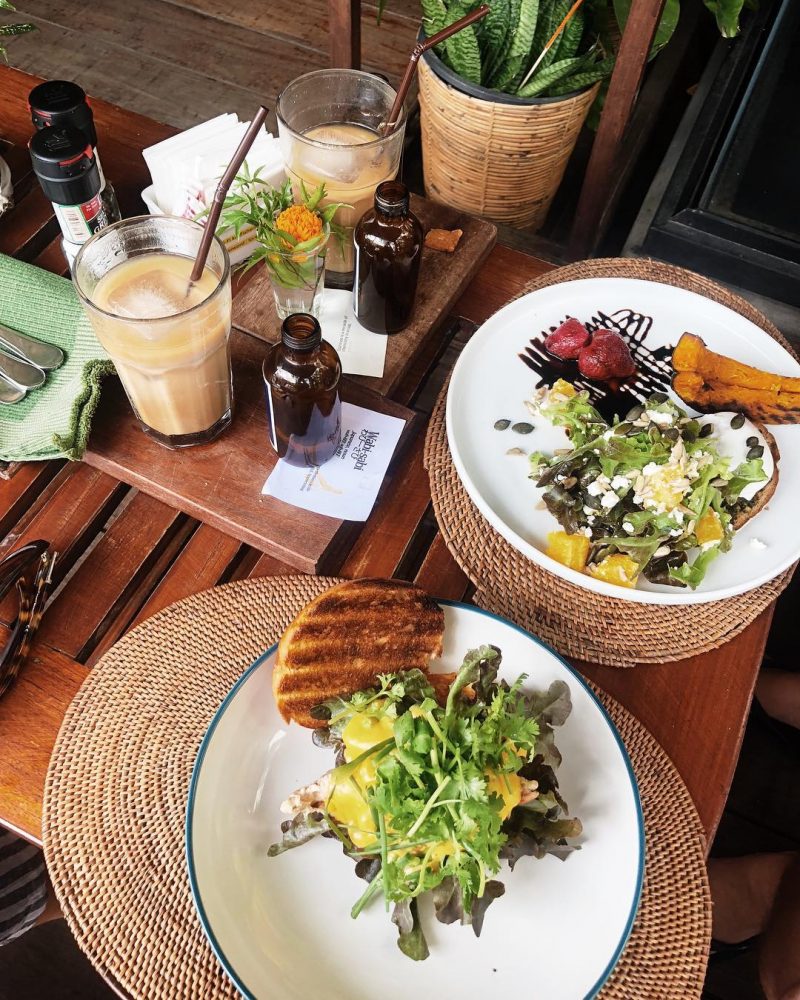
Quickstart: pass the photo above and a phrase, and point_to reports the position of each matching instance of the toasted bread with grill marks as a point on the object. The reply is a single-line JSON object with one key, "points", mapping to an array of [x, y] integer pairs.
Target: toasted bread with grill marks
{"points": [[348, 635], [764, 495]]}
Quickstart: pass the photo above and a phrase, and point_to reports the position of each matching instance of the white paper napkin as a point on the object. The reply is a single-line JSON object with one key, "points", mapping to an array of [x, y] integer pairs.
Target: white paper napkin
{"points": [[347, 485], [361, 351]]}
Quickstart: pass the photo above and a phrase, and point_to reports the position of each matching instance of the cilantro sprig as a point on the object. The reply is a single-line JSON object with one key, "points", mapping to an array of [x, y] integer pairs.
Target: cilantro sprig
{"points": [[443, 787]]}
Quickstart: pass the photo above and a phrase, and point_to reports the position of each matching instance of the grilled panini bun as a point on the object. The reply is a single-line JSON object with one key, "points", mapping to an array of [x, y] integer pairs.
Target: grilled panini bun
{"points": [[764, 495], [348, 635]]}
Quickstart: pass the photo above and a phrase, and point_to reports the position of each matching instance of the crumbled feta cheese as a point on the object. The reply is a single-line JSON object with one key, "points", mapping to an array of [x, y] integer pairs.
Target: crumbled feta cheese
{"points": [[591, 518], [620, 483], [678, 515], [658, 418], [595, 488], [676, 531], [756, 543], [650, 469], [588, 510], [609, 500], [587, 532], [708, 545], [627, 526]]}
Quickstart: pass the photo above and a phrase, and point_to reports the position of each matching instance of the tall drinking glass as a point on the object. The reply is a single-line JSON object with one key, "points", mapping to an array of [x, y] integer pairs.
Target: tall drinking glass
{"points": [[169, 341], [329, 124]]}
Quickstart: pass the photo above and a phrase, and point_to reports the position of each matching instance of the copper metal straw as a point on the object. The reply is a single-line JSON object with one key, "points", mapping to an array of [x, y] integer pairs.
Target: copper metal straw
{"points": [[222, 189], [416, 54]]}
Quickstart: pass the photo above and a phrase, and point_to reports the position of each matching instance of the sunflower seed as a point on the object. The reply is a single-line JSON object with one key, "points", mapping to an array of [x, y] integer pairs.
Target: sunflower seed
{"points": [[501, 425], [522, 428], [756, 452], [737, 421]]}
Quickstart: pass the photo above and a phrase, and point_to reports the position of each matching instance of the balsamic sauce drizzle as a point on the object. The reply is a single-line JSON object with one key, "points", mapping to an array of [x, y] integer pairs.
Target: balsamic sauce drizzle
{"points": [[617, 396]]}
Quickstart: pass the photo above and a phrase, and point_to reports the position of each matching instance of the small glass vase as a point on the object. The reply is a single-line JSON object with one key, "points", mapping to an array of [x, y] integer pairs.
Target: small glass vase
{"points": [[298, 280]]}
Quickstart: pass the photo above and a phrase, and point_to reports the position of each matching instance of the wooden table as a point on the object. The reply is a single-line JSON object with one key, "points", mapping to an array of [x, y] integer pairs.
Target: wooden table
{"points": [[125, 555]]}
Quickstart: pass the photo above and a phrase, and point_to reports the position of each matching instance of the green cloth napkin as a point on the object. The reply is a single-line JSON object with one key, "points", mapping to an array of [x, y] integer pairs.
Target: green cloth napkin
{"points": [[54, 421]]}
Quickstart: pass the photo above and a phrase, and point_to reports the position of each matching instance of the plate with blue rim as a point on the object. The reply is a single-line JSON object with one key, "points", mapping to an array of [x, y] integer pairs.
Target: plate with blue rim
{"points": [[281, 926]]}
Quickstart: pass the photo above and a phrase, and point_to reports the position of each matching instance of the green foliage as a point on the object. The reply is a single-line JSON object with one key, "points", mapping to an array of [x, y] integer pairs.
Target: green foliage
{"points": [[9, 30], [253, 202], [666, 26], [727, 13], [508, 49], [436, 799]]}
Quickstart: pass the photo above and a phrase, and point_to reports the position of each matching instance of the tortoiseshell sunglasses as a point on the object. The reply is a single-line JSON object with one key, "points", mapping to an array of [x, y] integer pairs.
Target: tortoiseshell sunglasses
{"points": [[31, 570]]}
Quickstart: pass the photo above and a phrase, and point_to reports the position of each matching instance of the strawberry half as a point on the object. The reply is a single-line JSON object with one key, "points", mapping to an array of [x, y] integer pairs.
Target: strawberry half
{"points": [[567, 340], [607, 356]]}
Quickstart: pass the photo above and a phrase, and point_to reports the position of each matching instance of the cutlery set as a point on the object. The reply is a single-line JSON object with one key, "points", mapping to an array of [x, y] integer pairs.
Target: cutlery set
{"points": [[24, 363]]}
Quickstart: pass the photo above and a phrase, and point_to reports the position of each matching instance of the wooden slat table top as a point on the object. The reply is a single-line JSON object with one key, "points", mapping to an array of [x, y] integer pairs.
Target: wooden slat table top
{"points": [[126, 555]]}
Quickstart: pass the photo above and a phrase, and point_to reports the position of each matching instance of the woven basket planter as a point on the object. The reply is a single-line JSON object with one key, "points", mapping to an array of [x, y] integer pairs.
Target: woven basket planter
{"points": [[493, 158]]}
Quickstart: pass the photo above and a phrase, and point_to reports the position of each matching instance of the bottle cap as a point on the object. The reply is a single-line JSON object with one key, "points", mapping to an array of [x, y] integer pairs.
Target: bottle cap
{"points": [[60, 103], [65, 165], [392, 198], [301, 332]]}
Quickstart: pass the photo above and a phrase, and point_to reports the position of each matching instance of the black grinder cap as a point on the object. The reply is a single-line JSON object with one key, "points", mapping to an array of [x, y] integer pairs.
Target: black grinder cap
{"points": [[60, 103], [65, 165]]}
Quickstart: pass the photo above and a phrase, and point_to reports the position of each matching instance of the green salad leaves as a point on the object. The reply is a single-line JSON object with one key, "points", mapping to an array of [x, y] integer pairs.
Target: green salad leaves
{"points": [[451, 792], [653, 487]]}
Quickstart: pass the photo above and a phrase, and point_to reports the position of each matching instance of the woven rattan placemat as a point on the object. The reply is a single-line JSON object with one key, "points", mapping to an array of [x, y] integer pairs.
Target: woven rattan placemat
{"points": [[116, 793], [579, 622]]}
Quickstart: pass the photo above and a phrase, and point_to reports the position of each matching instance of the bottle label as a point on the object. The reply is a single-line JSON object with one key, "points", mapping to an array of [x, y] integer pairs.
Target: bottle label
{"points": [[79, 222]]}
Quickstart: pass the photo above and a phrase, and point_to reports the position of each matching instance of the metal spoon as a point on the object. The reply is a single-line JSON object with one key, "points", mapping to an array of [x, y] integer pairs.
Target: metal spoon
{"points": [[20, 373], [37, 352], [10, 393]]}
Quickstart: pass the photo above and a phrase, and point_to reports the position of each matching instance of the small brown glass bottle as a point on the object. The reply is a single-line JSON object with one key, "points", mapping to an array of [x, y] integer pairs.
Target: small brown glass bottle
{"points": [[388, 248], [301, 378]]}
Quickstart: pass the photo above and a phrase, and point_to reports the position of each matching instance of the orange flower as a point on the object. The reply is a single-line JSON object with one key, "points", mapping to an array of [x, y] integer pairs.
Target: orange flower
{"points": [[299, 222]]}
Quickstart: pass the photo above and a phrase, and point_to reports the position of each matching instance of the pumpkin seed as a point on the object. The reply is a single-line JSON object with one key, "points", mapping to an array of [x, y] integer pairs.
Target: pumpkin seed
{"points": [[672, 434], [756, 452], [624, 427], [635, 413], [654, 433], [752, 442], [737, 421], [515, 451], [705, 430], [659, 397], [502, 425], [522, 427]]}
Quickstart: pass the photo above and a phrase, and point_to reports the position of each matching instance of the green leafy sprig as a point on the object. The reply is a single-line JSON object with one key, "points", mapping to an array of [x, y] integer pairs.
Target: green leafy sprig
{"points": [[255, 203], [10, 30], [435, 785]]}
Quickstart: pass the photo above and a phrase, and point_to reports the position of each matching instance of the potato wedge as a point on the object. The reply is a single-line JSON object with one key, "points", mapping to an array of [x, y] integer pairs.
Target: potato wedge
{"points": [[692, 355], [765, 405]]}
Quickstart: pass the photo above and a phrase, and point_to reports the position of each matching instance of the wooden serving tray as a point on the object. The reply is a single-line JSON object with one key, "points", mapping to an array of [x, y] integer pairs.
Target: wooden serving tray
{"points": [[220, 483], [442, 279]]}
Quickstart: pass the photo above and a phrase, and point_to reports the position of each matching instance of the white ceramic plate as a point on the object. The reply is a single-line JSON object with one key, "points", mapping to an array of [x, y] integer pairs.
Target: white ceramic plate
{"points": [[281, 926], [490, 382]]}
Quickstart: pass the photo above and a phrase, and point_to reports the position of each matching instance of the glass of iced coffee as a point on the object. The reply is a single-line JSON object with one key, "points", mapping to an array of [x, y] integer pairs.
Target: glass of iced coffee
{"points": [[167, 338], [330, 125]]}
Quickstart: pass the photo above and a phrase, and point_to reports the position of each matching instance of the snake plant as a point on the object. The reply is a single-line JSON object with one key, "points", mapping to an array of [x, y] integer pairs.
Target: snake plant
{"points": [[8, 30]]}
